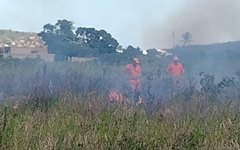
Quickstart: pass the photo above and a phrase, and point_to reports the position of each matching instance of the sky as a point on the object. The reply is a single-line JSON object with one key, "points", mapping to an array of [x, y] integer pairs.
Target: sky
{"points": [[142, 23]]}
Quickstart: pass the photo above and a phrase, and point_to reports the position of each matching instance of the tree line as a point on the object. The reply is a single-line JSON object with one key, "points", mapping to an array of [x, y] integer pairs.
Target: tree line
{"points": [[65, 40]]}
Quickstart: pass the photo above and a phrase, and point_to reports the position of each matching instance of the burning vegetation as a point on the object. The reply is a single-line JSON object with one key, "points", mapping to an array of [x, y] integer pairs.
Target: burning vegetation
{"points": [[86, 105], [65, 105]]}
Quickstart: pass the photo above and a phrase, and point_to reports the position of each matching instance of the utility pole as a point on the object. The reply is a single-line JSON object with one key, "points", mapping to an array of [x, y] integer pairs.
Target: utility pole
{"points": [[173, 39]]}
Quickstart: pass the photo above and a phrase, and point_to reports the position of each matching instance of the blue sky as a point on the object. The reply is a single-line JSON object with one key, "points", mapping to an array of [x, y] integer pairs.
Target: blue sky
{"points": [[143, 23]]}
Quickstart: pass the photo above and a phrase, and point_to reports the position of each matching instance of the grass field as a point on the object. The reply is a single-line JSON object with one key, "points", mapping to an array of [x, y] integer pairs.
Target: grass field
{"points": [[65, 106], [91, 123]]}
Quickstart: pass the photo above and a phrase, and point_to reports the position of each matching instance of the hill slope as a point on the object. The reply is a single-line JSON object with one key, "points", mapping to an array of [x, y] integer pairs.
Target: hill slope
{"points": [[19, 39], [219, 59]]}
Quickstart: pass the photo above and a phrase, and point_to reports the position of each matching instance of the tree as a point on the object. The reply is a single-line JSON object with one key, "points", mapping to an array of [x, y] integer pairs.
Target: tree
{"points": [[64, 40], [66, 28], [60, 39], [100, 40], [152, 52], [186, 38], [132, 52]]}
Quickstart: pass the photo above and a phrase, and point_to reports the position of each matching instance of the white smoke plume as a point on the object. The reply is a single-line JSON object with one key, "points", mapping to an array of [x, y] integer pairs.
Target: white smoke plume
{"points": [[209, 21]]}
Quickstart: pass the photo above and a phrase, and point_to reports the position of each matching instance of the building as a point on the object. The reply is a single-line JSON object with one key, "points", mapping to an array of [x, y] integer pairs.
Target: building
{"points": [[5, 50], [31, 52]]}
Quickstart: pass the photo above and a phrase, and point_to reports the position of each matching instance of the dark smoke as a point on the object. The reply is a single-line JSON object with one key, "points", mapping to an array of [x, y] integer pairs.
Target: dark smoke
{"points": [[209, 21]]}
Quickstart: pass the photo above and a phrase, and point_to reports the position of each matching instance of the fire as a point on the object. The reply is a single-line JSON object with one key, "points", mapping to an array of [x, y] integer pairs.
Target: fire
{"points": [[115, 96]]}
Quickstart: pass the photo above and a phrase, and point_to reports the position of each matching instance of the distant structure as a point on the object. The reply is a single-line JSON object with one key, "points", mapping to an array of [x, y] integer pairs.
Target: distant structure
{"points": [[31, 47], [25, 47], [28, 45], [160, 52], [5, 50], [173, 39], [31, 52]]}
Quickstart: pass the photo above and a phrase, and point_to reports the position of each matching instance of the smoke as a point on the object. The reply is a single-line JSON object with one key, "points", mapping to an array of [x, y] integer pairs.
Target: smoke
{"points": [[138, 23], [207, 21]]}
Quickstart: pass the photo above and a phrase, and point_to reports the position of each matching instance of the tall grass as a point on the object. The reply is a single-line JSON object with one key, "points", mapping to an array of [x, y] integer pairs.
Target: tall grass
{"points": [[65, 106], [91, 123]]}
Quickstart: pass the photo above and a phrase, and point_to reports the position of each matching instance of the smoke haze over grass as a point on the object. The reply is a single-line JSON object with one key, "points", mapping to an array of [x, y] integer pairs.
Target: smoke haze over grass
{"points": [[208, 21]]}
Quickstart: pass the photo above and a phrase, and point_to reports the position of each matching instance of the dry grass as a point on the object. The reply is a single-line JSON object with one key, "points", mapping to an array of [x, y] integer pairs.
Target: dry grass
{"points": [[65, 106], [91, 123]]}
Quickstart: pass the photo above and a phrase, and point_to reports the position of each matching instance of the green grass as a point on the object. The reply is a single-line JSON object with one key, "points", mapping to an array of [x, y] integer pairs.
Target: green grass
{"points": [[77, 114], [74, 123]]}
